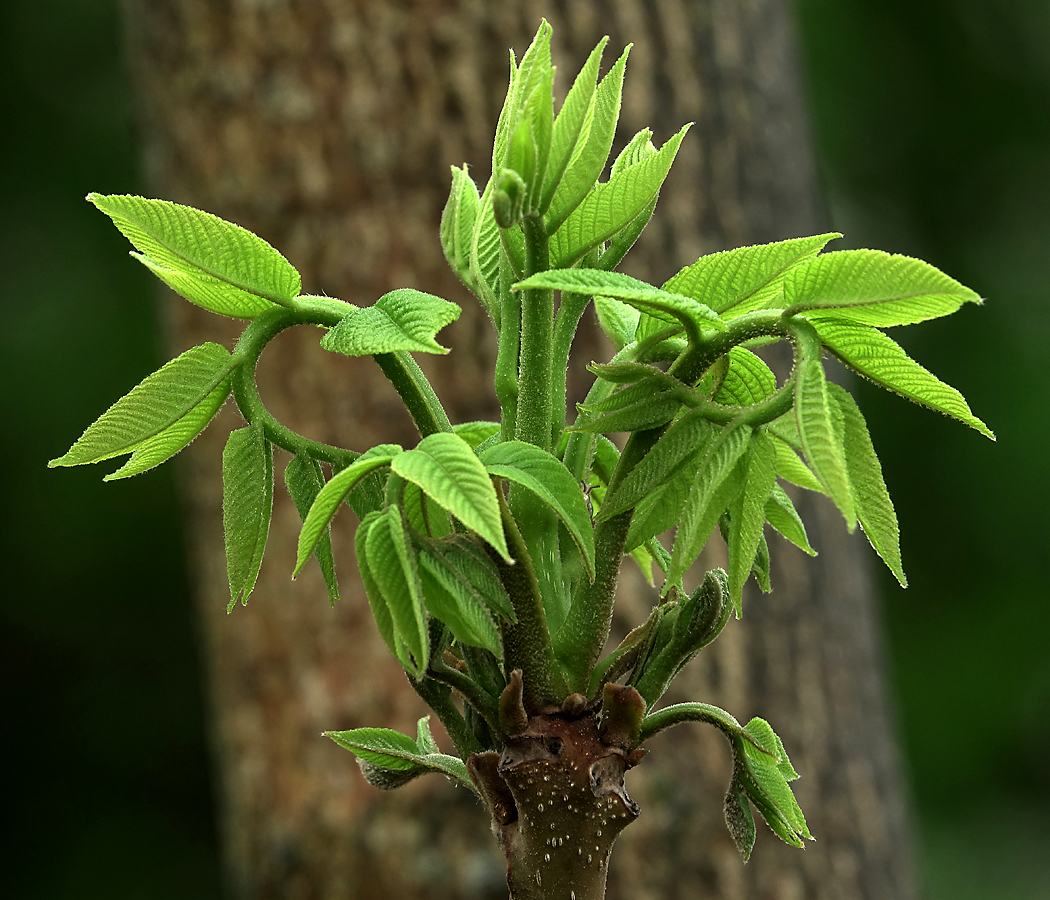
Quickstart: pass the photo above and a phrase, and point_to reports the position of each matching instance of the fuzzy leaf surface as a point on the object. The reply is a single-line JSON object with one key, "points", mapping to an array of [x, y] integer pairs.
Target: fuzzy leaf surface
{"points": [[611, 206], [548, 479], [748, 511], [870, 287], [874, 507], [405, 319], [211, 262], [879, 358], [738, 281], [304, 479], [247, 503], [747, 381], [454, 603], [445, 467], [338, 488], [153, 406], [782, 515], [390, 749]]}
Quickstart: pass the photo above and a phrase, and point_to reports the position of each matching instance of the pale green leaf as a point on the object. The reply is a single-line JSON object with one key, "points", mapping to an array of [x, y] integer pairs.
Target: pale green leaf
{"points": [[548, 479], [454, 603], [782, 515], [475, 433], [611, 206], [816, 425], [485, 254], [714, 486], [675, 448], [791, 468], [668, 307], [247, 503], [304, 479], [461, 558], [874, 507], [869, 287], [211, 262], [155, 405], [591, 152], [747, 381], [405, 319], [334, 493], [734, 282], [748, 511], [376, 601], [762, 773], [868, 351], [445, 467], [457, 225], [392, 567], [619, 321], [388, 749], [161, 447]]}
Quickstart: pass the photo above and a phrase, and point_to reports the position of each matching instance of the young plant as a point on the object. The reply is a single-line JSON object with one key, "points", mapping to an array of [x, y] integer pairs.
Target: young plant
{"points": [[490, 551]]}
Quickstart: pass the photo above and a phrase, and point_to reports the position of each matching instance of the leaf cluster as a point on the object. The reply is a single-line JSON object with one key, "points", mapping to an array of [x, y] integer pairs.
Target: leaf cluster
{"points": [[493, 548]]}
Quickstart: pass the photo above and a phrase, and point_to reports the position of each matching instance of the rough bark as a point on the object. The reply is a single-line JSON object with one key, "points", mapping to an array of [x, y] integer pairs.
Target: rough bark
{"points": [[328, 126]]}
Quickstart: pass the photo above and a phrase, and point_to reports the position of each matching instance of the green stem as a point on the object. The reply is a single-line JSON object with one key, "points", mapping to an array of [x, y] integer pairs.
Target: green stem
{"points": [[439, 698], [527, 642], [570, 311], [537, 327], [509, 349]]}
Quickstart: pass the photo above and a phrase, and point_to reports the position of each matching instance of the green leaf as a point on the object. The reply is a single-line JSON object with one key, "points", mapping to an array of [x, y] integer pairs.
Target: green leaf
{"points": [[762, 772], [213, 263], [747, 381], [548, 479], [791, 468], [454, 602], [591, 152], [816, 426], [572, 124], [485, 253], [304, 479], [619, 321], [869, 287], [662, 509], [475, 433], [159, 403], [782, 515], [611, 206], [460, 558], [668, 307], [376, 601], [422, 513], [873, 504], [741, 824], [404, 319], [748, 512], [868, 351], [334, 493], [734, 282], [247, 503], [636, 408], [161, 447], [445, 467], [392, 565], [687, 436], [389, 749], [457, 225], [713, 488]]}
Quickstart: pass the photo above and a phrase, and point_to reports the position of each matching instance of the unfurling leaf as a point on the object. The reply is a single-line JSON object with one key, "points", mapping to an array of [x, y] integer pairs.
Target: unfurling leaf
{"points": [[160, 415], [247, 502], [404, 319], [762, 770], [209, 261], [457, 225]]}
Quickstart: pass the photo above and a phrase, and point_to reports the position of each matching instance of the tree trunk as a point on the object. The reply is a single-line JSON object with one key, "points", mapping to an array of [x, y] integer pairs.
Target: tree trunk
{"points": [[329, 128]]}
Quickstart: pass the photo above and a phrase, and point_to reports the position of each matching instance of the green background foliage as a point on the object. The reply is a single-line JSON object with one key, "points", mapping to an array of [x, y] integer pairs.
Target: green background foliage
{"points": [[934, 142]]}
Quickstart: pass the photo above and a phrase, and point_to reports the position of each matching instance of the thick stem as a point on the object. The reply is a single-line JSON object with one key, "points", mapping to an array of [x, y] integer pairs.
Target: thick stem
{"points": [[537, 329]]}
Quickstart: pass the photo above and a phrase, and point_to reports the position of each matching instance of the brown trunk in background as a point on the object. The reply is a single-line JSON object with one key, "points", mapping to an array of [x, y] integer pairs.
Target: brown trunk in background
{"points": [[328, 126]]}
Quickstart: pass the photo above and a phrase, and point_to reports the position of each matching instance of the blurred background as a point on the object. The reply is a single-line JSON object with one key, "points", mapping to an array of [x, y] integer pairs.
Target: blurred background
{"points": [[933, 128]]}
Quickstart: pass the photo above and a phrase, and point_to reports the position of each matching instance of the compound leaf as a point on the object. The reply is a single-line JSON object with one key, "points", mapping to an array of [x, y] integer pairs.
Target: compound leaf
{"points": [[247, 503], [211, 262]]}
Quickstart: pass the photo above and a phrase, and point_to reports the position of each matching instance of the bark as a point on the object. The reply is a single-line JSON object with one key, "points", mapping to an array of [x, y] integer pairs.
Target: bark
{"points": [[328, 126]]}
